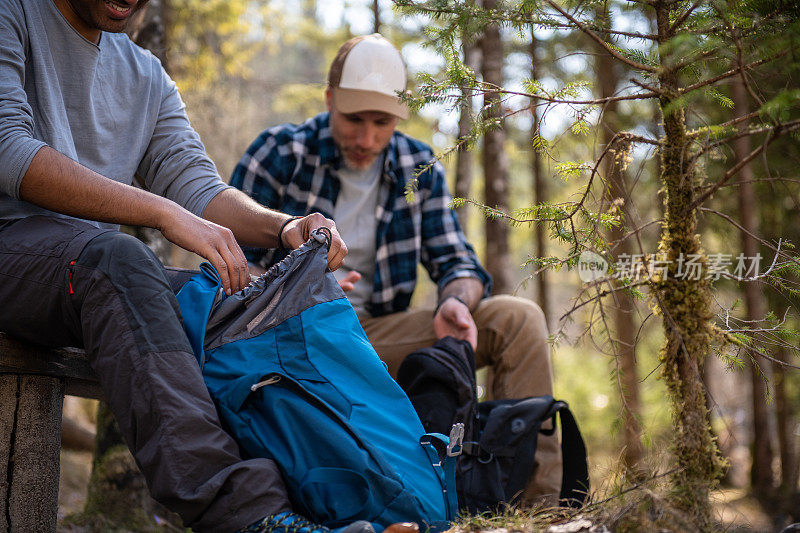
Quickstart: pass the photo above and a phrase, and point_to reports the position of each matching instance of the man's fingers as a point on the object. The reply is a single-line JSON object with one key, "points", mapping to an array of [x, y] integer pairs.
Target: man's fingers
{"points": [[338, 250], [213, 242], [241, 265], [232, 269], [348, 282], [222, 269], [464, 321], [454, 319], [228, 249], [353, 276], [296, 233], [336, 255]]}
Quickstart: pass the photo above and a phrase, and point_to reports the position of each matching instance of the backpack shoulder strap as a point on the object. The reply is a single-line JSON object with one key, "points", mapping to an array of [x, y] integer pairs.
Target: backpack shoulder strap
{"points": [[575, 480], [442, 452]]}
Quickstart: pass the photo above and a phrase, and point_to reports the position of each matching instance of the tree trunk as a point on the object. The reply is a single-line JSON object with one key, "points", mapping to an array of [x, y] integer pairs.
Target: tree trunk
{"points": [[148, 29], [624, 334], [30, 417], [310, 49], [117, 497], [685, 303], [495, 161], [539, 188], [761, 480], [376, 17], [788, 493], [464, 159]]}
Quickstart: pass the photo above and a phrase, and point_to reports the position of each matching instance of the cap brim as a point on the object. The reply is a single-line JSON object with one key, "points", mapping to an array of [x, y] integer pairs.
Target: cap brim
{"points": [[357, 100]]}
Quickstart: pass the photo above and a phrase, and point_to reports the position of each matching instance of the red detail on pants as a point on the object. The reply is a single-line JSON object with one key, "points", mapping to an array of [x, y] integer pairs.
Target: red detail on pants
{"points": [[69, 281]]}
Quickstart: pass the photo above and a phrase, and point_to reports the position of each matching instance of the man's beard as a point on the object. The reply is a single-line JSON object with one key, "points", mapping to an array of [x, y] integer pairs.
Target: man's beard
{"points": [[358, 160]]}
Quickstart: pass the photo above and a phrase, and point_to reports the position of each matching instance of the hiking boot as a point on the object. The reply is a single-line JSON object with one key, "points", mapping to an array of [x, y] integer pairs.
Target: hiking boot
{"points": [[289, 522]]}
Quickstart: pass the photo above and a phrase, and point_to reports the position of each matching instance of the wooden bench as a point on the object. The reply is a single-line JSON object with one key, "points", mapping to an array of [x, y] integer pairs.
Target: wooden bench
{"points": [[33, 382]]}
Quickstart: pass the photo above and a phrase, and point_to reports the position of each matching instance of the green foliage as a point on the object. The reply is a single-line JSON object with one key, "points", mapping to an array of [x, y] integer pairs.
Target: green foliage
{"points": [[300, 98], [780, 107], [720, 98], [571, 169], [216, 40]]}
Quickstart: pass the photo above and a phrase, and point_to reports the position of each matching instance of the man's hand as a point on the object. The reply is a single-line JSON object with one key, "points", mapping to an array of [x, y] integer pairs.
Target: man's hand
{"points": [[299, 231], [348, 282], [210, 241], [453, 318]]}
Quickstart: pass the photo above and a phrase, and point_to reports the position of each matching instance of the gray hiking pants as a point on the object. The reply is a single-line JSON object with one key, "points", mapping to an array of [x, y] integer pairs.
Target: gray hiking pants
{"points": [[64, 282]]}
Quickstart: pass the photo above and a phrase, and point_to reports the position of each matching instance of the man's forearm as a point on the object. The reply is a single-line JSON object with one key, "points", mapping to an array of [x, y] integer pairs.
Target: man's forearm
{"points": [[58, 183], [251, 223], [468, 290], [255, 225]]}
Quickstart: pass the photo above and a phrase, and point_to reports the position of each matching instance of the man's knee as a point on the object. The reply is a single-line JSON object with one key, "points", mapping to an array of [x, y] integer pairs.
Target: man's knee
{"points": [[119, 281], [513, 338], [514, 314], [115, 253]]}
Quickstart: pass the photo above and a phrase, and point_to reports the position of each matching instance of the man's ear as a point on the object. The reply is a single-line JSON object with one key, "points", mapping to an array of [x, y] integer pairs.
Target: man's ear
{"points": [[329, 99]]}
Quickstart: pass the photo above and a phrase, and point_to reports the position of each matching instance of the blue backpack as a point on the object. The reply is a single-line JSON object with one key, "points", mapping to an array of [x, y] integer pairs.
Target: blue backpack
{"points": [[295, 380]]}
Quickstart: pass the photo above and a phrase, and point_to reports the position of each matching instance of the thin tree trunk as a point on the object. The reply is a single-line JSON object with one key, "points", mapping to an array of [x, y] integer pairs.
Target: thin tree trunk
{"points": [[148, 29], [464, 159], [376, 17], [685, 303], [788, 492], [495, 161], [539, 188], [624, 310], [761, 478]]}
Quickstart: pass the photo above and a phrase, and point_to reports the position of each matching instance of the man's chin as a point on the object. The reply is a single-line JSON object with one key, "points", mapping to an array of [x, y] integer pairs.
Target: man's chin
{"points": [[358, 164], [116, 26]]}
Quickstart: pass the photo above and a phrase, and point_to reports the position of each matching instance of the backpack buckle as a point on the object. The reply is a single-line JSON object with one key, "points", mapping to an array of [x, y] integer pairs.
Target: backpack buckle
{"points": [[456, 439]]}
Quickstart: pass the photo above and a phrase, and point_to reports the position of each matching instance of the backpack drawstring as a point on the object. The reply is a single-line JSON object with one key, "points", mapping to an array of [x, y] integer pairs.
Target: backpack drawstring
{"points": [[270, 381]]}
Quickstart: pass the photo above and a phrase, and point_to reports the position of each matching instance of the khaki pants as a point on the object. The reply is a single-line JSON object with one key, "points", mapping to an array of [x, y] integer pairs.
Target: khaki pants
{"points": [[512, 341]]}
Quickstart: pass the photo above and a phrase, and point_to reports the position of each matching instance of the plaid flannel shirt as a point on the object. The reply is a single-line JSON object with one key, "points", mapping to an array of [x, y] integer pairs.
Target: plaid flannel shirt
{"points": [[293, 168]]}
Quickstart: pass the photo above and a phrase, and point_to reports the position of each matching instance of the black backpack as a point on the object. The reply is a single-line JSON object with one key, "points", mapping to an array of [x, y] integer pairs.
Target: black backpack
{"points": [[500, 437]]}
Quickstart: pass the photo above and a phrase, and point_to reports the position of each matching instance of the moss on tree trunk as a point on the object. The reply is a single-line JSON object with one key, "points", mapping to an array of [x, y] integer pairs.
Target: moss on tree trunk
{"points": [[117, 498], [684, 300]]}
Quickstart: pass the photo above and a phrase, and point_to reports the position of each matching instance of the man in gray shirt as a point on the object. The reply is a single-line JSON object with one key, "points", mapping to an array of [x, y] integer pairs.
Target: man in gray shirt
{"points": [[82, 111]]}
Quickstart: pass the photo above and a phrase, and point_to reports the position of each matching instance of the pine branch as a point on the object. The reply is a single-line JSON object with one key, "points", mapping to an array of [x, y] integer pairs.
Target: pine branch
{"points": [[723, 125], [576, 306], [643, 85], [773, 134], [732, 72], [595, 27], [737, 41], [600, 41], [692, 60], [675, 25], [488, 88], [746, 133], [764, 180]]}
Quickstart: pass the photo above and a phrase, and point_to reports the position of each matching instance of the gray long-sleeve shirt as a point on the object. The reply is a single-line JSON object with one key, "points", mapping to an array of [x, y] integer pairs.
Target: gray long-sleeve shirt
{"points": [[110, 107]]}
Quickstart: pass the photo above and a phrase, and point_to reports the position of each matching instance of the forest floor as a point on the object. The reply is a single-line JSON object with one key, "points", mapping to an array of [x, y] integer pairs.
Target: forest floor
{"points": [[737, 512]]}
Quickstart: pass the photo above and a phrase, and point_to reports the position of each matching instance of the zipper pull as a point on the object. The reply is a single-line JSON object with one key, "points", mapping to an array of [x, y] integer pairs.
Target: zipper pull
{"points": [[69, 280]]}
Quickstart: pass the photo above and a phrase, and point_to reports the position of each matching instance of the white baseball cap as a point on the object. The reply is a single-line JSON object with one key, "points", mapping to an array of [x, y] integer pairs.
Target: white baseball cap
{"points": [[366, 75]]}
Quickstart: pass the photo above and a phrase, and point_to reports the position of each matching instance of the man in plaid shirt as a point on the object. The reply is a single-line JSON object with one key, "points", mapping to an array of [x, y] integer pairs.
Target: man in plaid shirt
{"points": [[351, 165]]}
